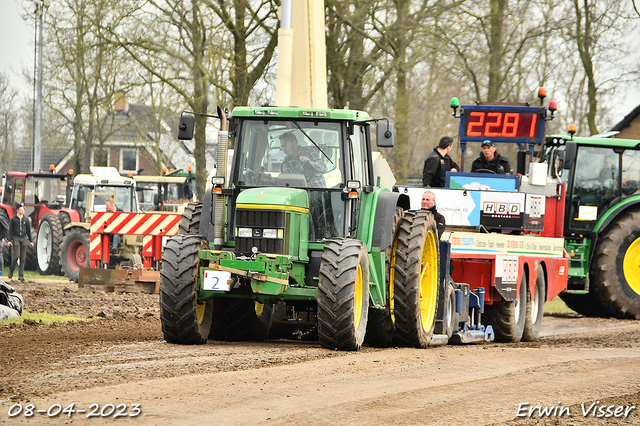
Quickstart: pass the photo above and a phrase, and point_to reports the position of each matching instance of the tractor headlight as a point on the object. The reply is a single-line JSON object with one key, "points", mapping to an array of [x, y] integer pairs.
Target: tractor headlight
{"points": [[245, 232], [270, 233]]}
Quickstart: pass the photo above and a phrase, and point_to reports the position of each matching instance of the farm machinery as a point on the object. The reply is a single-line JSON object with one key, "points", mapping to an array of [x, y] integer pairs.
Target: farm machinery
{"points": [[45, 197], [171, 191], [601, 222]]}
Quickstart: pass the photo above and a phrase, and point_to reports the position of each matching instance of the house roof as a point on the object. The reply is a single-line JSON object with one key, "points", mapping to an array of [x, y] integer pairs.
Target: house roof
{"points": [[626, 121], [24, 158]]}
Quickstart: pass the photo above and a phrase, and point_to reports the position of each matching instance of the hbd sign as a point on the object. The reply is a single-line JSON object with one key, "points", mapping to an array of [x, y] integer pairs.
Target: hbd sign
{"points": [[498, 208]]}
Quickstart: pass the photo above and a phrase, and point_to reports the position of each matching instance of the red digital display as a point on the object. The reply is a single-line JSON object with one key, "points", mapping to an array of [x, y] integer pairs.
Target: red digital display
{"points": [[501, 124]]}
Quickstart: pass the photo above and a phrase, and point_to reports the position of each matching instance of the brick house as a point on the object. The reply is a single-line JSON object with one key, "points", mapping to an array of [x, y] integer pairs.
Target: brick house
{"points": [[141, 142], [629, 126]]}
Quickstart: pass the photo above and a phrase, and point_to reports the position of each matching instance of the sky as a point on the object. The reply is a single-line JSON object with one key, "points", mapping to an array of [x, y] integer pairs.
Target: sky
{"points": [[17, 46], [16, 43]]}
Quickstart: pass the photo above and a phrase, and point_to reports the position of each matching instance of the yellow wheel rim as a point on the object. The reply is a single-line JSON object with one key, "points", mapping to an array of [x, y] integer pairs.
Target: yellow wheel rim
{"points": [[429, 282], [358, 298], [259, 307], [631, 266], [200, 308], [392, 275]]}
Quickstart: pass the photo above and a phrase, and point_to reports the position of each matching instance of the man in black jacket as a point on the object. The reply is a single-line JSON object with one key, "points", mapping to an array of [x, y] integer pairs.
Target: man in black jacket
{"points": [[489, 159], [438, 163], [19, 237], [429, 204]]}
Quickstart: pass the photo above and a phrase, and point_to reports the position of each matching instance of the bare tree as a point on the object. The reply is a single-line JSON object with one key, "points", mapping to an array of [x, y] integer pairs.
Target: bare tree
{"points": [[8, 121]]}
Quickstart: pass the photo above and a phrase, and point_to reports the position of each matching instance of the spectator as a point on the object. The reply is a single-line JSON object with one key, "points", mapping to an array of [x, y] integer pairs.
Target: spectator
{"points": [[438, 163], [490, 161], [19, 237], [429, 204]]}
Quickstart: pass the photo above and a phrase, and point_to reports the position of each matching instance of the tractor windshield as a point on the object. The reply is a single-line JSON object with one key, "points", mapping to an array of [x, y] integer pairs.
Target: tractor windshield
{"points": [[45, 190], [596, 183], [300, 154]]}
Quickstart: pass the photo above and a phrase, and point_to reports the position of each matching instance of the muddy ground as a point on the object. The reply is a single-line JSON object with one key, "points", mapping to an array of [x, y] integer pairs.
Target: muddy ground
{"points": [[119, 357]]}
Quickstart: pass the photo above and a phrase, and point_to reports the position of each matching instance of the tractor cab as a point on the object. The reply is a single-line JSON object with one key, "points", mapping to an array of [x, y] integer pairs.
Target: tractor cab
{"points": [[309, 160]]}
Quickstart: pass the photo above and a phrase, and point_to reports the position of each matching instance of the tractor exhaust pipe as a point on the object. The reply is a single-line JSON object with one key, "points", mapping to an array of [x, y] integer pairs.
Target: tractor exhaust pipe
{"points": [[221, 170]]}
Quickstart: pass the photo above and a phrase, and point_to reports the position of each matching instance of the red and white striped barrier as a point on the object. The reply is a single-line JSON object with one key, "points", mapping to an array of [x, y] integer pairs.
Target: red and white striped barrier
{"points": [[152, 226]]}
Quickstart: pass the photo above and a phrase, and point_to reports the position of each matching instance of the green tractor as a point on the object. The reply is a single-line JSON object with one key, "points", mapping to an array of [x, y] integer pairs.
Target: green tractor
{"points": [[304, 229], [602, 222]]}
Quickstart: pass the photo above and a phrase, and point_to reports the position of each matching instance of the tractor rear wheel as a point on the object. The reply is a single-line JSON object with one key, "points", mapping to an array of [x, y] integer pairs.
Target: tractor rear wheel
{"points": [[586, 304], [185, 319], [74, 252], [416, 279], [381, 329], [190, 221], [535, 309], [238, 320], [615, 274], [508, 318], [48, 244], [343, 294], [31, 261]]}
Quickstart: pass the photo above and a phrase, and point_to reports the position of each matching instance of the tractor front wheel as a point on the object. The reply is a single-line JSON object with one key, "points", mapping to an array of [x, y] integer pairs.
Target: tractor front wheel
{"points": [[416, 279], [190, 221], [615, 275], [74, 252], [343, 294], [48, 244], [185, 319]]}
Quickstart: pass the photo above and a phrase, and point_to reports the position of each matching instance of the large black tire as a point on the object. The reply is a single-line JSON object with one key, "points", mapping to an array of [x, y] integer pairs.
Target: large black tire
{"points": [[6, 250], [31, 261], [416, 279], [615, 271], [343, 294], [508, 318], [586, 304], [74, 252], [238, 320], [190, 221], [185, 320], [535, 308], [48, 244], [381, 329]]}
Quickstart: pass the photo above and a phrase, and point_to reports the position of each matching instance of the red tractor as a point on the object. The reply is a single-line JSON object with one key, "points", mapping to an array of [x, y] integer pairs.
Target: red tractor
{"points": [[45, 197]]}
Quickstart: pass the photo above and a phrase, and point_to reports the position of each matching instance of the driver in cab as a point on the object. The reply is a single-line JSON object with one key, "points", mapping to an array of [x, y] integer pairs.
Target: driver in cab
{"points": [[299, 160], [489, 161]]}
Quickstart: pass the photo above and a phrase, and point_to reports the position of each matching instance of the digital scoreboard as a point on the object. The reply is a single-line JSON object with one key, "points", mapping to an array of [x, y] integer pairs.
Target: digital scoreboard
{"points": [[502, 123]]}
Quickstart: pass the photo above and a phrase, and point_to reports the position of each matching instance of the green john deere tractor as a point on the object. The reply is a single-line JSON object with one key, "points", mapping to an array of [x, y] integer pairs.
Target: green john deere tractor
{"points": [[304, 230], [601, 224]]}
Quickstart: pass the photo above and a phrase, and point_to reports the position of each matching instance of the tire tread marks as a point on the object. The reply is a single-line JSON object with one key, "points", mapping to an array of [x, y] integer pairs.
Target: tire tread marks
{"points": [[190, 221]]}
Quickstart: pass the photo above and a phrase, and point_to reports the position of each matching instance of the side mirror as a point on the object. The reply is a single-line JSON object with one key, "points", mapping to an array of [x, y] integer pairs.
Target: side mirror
{"points": [[80, 196], [186, 126], [558, 162], [385, 135]]}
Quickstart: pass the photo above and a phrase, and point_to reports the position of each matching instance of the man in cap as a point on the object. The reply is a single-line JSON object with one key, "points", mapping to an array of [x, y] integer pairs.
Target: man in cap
{"points": [[490, 161]]}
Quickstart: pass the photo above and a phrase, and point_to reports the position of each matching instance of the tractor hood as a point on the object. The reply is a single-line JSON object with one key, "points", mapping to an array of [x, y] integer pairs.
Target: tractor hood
{"points": [[291, 199]]}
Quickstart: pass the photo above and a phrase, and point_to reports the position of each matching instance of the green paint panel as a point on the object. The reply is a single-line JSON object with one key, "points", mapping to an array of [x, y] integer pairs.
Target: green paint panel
{"points": [[245, 265], [290, 197], [299, 113]]}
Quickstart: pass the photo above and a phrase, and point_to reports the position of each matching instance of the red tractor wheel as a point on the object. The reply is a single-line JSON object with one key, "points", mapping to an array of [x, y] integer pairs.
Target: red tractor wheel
{"points": [[75, 252]]}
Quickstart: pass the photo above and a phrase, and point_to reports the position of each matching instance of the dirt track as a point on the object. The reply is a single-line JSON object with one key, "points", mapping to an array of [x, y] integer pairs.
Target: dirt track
{"points": [[120, 358]]}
